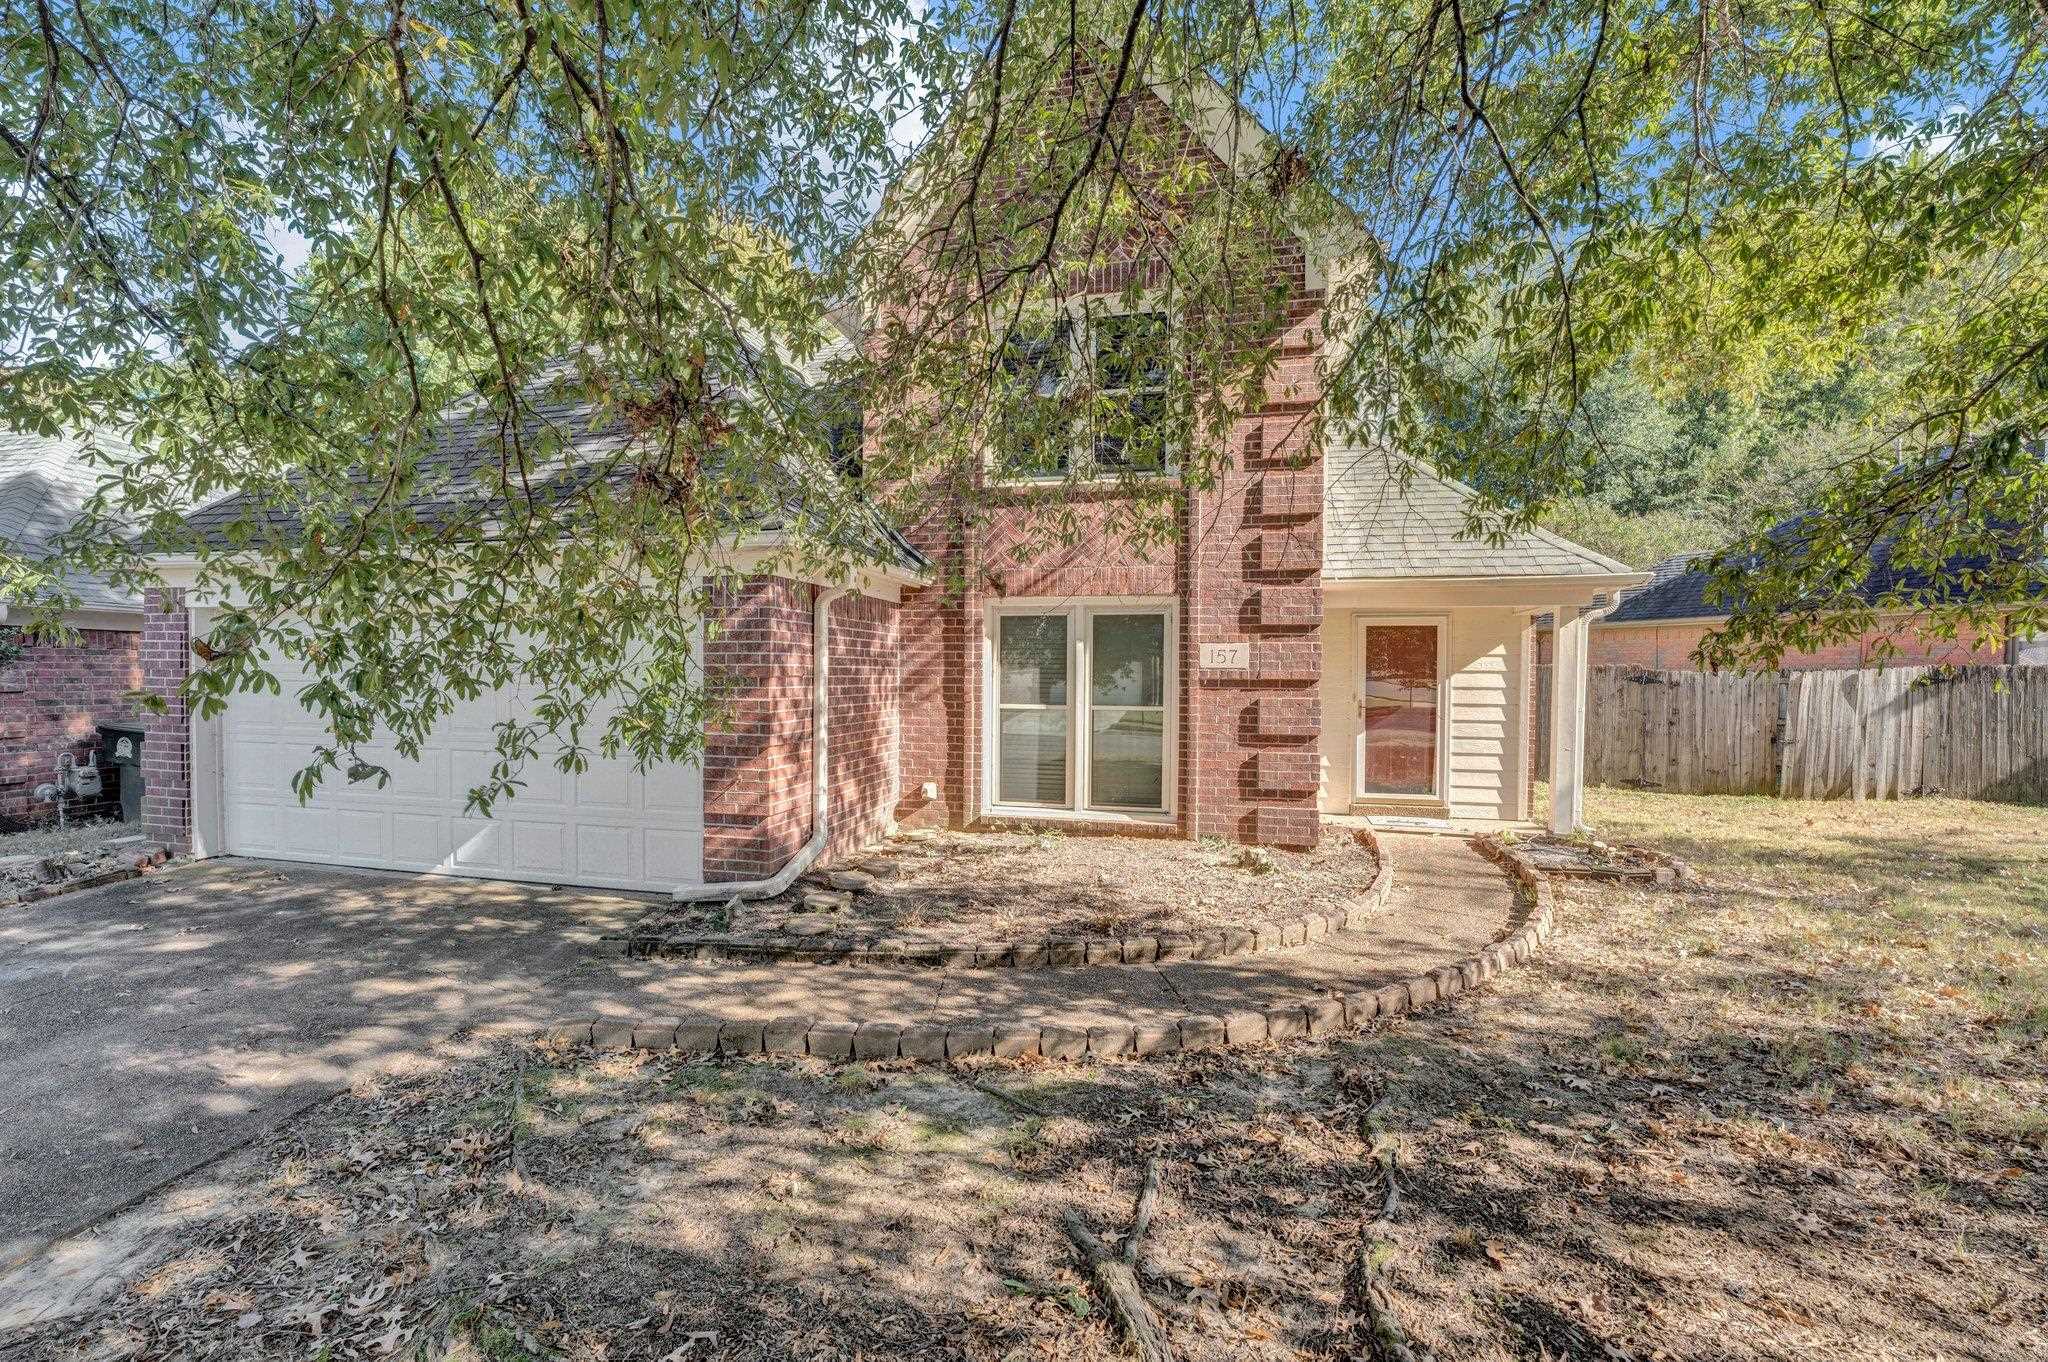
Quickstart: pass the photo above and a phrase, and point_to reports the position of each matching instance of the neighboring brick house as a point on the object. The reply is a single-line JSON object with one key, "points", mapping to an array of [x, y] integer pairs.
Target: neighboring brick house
{"points": [[1660, 626], [1323, 635], [52, 694]]}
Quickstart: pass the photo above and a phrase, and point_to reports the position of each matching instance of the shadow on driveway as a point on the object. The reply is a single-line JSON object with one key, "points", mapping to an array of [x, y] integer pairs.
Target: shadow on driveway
{"points": [[148, 1026]]}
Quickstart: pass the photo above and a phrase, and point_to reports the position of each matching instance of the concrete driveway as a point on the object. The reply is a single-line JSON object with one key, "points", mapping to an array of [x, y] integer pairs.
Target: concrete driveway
{"points": [[148, 1026]]}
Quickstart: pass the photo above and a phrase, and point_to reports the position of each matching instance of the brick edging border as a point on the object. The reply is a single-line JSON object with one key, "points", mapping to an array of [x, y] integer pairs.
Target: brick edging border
{"points": [[840, 1041], [1065, 952], [156, 858]]}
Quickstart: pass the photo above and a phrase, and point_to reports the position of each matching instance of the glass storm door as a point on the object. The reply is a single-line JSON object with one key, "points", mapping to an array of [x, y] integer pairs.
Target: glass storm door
{"points": [[1397, 709], [1127, 712]]}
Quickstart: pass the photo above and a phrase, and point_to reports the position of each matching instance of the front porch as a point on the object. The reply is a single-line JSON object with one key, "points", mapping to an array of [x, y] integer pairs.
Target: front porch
{"points": [[1428, 698]]}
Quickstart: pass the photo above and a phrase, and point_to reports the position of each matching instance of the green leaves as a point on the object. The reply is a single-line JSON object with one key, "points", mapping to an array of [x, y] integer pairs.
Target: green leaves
{"points": [[1744, 202], [503, 324]]}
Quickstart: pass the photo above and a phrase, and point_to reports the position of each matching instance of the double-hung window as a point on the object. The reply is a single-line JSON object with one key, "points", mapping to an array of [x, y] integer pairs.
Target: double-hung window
{"points": [[1081, 713], [1084, 390]]}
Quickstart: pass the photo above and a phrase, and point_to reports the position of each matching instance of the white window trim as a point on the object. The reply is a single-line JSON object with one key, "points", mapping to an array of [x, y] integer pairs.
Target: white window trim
{"points": [[1078, 310], [1079, 610], [1360, 622]]}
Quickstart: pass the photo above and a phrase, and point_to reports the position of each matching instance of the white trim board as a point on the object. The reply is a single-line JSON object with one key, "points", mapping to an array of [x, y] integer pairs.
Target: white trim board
{"points": [[1079, 610]]}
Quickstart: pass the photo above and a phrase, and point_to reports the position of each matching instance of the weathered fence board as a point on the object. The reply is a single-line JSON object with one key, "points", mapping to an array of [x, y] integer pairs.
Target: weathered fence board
{"points": [[1972, 733]]}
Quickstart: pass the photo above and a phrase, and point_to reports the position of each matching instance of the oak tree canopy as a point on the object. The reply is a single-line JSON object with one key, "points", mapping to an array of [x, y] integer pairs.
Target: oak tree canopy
{"points": [[500, 316]]}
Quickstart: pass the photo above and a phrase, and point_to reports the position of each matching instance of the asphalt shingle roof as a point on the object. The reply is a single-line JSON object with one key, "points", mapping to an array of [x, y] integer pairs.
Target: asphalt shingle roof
{"points": [[44, 482], [1378, 524], [580, 439], [1679, 592]]}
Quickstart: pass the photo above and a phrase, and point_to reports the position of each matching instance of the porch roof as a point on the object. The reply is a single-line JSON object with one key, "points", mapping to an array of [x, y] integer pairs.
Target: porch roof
{"points": [[1385, 515]]}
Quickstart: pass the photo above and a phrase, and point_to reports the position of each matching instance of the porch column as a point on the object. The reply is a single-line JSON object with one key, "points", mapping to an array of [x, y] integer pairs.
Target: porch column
{"points": [[1568, 718]]}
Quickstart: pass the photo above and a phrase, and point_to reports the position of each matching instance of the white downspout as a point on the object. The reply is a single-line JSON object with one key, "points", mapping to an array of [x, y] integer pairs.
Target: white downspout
{"points": [[821, 783]]}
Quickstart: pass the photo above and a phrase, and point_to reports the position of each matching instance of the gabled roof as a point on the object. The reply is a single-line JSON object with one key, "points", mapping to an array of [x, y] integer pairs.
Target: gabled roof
{"points": [[1680, 592], [44, 483], [580, 435], [1387, 516]]}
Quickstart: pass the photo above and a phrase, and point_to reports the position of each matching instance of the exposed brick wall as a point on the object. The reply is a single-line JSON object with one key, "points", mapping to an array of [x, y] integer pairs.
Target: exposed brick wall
{"points": [[864, 700], [1246, 568], [167, 748], [757, 659], [939, 709], [1255, 552], [757, 764], [50, 698]]}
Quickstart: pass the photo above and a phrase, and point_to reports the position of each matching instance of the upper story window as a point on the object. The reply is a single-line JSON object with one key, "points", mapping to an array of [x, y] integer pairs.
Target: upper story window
{"points": [[1086, 393], [1130, 372]]}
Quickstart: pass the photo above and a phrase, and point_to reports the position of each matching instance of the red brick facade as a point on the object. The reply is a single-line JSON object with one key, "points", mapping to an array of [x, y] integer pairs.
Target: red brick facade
{"points": [[167, 748], [757, 765], [907, 691], [865, 701], [51, 695], [1246, 569], [757, 659]]}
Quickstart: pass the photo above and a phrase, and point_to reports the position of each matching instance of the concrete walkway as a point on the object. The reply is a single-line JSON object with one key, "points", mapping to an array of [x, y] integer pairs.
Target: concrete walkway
{"points": [[149, 1026], [1447, 902]]}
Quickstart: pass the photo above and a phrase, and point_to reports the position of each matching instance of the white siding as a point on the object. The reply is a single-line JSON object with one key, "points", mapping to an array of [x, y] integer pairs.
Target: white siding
{"points": [[1340, 706]]}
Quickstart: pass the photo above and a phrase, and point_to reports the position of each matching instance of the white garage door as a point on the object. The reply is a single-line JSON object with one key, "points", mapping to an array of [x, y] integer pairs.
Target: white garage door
{"points": [[610, 827]]}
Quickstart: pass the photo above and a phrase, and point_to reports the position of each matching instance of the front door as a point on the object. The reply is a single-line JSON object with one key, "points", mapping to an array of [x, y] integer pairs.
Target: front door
{"points": [[1399, 682]]}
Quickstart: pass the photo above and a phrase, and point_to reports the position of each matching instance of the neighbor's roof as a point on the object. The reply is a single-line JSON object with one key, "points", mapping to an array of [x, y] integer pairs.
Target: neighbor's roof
{"points": [[44, 482], [1679, 591], [1662, 570], [581, 439], [1385, 516]]}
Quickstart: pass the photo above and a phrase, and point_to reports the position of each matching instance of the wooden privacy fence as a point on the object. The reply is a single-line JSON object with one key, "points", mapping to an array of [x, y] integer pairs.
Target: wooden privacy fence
{"points": [[1971, 733]]}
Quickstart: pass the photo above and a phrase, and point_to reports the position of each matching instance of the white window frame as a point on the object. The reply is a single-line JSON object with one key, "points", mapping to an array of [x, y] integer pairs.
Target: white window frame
{"points": [[1080, 613], [1079, 312], [1360, 623]]}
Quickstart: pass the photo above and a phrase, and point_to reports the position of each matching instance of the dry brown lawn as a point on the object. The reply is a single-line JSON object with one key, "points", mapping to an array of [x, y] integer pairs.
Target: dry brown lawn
{"points": [[1797, 1112]]}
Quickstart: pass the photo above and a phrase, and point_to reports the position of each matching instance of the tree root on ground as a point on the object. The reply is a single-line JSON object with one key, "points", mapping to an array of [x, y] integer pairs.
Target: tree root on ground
{"points": [[1117, 1274], [1368, 1301]]}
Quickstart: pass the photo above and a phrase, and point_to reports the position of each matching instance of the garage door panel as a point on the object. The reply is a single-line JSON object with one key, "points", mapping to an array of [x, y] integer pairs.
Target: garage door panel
{"points": [[672, 792], [608, 826], [418, 839], [254, 772], [545, 786], [606, 788], [599, 847], [671, 857], [258, 824], [359, 834], [425, 780], [539, 846], [479, 844], [304, 828]]}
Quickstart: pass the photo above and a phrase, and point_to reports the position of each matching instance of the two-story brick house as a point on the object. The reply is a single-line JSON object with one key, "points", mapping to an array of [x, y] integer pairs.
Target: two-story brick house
{"points": [[1323, 634]]}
